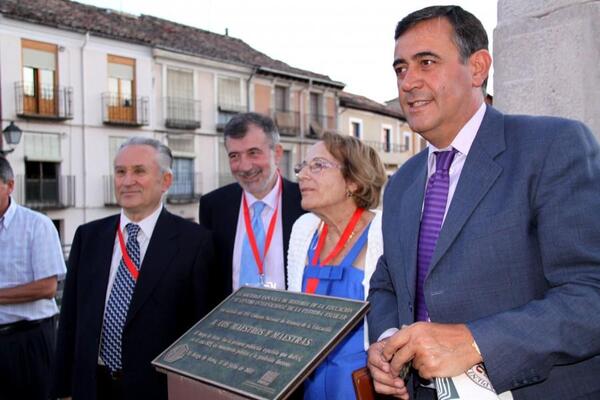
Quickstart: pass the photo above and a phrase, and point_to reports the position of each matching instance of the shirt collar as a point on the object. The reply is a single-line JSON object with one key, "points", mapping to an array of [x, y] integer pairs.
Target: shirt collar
{"points": [[465, 137], [9, 215], [146, 225], [271, 199]]}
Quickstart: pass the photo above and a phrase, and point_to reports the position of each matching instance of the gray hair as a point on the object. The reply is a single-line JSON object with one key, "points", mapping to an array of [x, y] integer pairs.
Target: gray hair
{"points": [[164, 157], [6, 172], [237, 127]]}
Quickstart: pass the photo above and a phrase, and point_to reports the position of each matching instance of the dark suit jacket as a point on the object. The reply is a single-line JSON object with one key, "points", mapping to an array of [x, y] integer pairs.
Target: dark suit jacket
{"points": [[219, 211], [517, 259], [171, 294]]}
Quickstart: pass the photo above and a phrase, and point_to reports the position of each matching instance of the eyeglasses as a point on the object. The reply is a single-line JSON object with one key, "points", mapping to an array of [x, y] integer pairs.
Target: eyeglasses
{"points": [[315, 166]]}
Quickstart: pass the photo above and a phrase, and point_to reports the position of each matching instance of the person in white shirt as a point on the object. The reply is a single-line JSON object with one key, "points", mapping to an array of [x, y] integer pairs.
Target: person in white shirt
{"points": [[251, 248]]}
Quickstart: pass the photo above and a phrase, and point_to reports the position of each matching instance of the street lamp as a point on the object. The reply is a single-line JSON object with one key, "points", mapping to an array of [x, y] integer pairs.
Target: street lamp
{"points": [[12, 136]]}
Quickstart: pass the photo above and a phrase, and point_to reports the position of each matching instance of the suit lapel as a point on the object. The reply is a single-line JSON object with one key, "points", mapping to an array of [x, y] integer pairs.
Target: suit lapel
{"points": [[101, 260], [409, 223], [230, 219], [477, 177], [161, 251]]}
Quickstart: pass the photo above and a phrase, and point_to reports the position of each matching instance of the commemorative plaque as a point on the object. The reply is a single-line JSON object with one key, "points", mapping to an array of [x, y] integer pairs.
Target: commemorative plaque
{"points": [[260, 343]]}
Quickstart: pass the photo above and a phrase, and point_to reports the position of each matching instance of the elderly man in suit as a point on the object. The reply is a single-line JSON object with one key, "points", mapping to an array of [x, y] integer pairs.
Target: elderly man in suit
{"points": [[135, 282], [252, 219], [491, 235]]}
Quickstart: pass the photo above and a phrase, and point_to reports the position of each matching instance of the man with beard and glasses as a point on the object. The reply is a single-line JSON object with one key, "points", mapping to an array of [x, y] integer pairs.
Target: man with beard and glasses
{"points": [[251, 220]]}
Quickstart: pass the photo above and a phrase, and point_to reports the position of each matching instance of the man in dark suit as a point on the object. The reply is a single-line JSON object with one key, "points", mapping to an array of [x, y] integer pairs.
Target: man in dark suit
{"points": [[254, 151], [123, 304], [491, 235]]}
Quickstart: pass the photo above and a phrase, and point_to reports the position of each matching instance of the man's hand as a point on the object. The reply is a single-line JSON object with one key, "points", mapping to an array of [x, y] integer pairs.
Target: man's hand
{"points": [[436, 350], [384, 381]]}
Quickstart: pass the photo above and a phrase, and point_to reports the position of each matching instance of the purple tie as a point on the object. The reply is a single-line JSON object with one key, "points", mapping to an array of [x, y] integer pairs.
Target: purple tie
{"points": [[434, 208]]}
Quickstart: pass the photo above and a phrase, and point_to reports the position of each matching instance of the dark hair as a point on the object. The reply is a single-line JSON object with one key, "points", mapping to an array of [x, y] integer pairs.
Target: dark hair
{"points": [[6, 172], [237, 127], [360, 164], [469, 34]]}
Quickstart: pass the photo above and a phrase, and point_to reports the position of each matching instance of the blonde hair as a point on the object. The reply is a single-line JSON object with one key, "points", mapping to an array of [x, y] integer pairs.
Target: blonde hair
{"points": [[360, 164]]}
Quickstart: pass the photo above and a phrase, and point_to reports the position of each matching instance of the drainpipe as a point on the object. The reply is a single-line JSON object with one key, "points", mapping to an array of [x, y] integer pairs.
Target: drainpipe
{"points": [[83, 122], [248, 82]]}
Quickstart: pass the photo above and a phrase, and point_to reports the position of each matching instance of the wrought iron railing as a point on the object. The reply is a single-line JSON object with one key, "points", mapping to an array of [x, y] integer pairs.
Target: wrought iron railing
{"points": [[387, 147], [288, 122], [316, 124], [46, 193], [186, 188], [124, 110], [182, 113], [43, 101]]}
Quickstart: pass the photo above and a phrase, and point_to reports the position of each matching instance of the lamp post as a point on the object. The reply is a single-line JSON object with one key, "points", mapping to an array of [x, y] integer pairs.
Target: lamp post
{"points": [[12, 136]]}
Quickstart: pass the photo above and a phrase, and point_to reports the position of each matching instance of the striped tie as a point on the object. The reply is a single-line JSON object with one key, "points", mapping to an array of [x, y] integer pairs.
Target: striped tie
{"points": [[118, 304], [434, 208]]}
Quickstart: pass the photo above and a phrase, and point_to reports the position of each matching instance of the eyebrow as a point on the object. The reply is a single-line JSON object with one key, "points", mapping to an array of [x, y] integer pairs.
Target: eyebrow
{"points": [[418, 55]]}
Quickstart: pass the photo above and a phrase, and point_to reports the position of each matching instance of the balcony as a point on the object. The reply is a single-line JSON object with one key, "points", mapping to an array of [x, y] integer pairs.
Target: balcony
{"points": [[44, 194], [182, 113], [226, 112], [186, 188], [43, 102], [386, 147], [288, 122], [316, 124], [124, 110]]}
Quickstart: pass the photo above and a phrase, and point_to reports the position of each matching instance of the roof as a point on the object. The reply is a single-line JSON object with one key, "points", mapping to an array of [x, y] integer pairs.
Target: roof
{"points": [[154, 32], [358, 102]]}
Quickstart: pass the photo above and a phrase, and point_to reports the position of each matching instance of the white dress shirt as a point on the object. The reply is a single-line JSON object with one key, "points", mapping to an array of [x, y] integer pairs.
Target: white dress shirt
{"points": [[146, 228], [462, 144], [273, 262]]}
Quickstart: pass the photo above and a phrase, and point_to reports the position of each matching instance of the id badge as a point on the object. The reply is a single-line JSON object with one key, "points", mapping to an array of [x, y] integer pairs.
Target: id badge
{"points": [[266, 284]]}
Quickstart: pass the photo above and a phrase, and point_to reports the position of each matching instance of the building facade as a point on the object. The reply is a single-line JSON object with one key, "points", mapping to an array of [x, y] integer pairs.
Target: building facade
{"points": [[79, 80], [382, 127]]}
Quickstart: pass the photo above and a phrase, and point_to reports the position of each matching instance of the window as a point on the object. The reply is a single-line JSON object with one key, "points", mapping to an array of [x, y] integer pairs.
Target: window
{"points": [[285, 164], [356, 128], [230, 99], [281, 98], [180, 84], [121, 87], [387, 140], [41, 183], [406, 141], [315, 107], [183, 178], [39, 77], [182, 111]]}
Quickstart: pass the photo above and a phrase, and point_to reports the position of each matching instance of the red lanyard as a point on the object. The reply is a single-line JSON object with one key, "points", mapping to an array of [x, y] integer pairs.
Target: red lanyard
{"points": [[312, 283], [128, 262], [250, 232]]}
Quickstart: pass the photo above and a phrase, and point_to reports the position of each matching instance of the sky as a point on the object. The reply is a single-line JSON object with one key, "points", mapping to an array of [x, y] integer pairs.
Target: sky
{"points": [[351, 41]]}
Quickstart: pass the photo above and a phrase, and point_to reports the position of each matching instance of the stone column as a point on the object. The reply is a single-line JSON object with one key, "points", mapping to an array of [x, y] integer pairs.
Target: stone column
{"points": [[547, 59]]}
